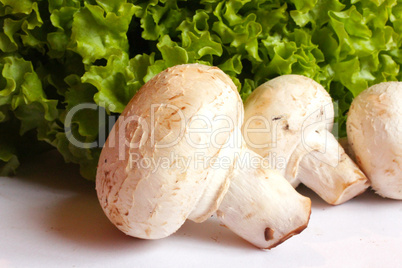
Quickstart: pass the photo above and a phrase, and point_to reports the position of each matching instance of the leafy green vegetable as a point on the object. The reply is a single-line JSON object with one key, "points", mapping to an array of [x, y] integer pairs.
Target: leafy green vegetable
{"points": [[59, 54]]}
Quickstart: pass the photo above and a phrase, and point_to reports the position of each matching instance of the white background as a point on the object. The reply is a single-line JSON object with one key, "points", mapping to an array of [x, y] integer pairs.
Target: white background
{"points": [[50, 217]]}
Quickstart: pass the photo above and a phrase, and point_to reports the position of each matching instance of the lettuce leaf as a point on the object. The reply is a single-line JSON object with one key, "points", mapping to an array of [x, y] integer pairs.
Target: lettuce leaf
{"points": [[98, 30]]}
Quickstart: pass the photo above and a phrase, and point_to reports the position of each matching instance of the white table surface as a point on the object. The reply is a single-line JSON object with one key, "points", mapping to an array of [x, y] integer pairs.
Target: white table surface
{"points": [[50, 217]]}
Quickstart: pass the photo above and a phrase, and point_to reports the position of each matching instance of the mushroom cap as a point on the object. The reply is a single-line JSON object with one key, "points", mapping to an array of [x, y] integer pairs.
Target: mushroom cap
{"points": [[374, 128], [140, 195], [287, 105]]}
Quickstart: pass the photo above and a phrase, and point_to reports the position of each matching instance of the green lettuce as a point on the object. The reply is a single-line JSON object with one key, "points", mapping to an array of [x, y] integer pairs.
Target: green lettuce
{"points": [[59, 54]]}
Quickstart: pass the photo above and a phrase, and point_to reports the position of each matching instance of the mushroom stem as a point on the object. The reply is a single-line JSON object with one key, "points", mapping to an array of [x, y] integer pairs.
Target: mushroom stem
{"points": [[260, 206], [254, 201], [329, 171]]}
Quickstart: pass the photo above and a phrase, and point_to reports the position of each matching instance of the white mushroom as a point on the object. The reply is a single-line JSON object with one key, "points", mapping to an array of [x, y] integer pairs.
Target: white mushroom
{"points": [[190, 115], [288, 120], [374, 128]]}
